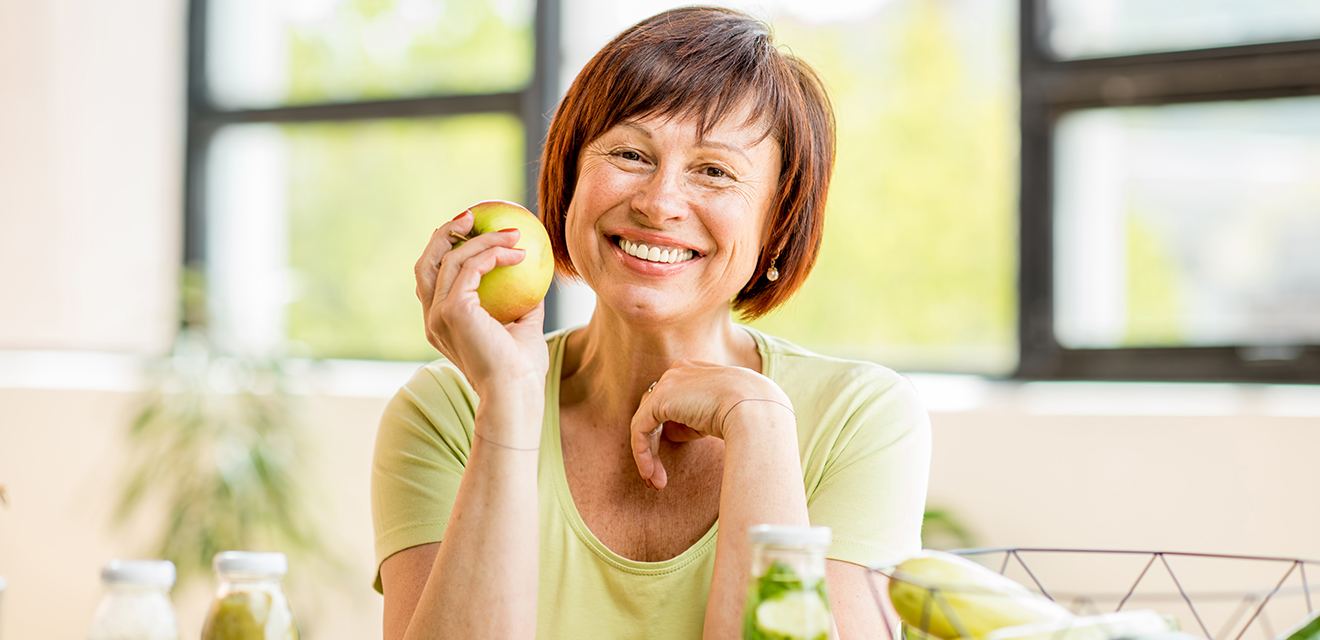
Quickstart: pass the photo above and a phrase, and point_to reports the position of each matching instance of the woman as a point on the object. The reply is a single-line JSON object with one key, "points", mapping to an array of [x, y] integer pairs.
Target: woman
{"points": [[686, 168]]}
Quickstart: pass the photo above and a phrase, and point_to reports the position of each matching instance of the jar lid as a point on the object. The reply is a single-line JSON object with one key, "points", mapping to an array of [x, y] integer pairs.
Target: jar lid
{"points": [[778, 535], [255, 563], [145, 573]]}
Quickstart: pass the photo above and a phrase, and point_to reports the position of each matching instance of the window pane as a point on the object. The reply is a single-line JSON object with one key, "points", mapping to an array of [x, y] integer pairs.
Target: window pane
{"points": [[263, 53], [1189, 225], [918, 265], [314, 228], [1087, 28]]}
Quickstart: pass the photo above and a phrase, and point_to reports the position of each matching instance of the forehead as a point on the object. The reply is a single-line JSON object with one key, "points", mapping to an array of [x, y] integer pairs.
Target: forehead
{"points": [[743, 127]]}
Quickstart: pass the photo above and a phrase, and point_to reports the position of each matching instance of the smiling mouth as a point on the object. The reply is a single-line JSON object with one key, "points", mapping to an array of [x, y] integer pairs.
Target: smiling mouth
{"points": [[657, 254]]}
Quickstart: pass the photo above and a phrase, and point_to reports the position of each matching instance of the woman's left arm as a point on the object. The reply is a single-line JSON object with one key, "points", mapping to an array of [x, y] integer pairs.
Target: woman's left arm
{"points": [[762, 481], [762, 484]]}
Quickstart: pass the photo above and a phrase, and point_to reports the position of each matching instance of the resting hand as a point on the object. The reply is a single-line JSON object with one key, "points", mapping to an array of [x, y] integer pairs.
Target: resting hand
{"points": [[693, 400], [447, 277]]}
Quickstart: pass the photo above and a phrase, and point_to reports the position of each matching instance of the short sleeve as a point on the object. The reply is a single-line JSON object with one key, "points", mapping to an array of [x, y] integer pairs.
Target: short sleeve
{"points": [[873, 491], [422, 447]]}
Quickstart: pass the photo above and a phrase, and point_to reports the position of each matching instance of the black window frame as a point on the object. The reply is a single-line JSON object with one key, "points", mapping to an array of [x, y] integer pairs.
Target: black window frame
{"points": [[1051, 87], [533, 105]]}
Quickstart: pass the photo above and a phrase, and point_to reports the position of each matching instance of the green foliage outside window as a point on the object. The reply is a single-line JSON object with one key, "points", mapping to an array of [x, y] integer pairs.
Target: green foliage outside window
{"points": [[363, 199], [375, 49], [917, 268]]}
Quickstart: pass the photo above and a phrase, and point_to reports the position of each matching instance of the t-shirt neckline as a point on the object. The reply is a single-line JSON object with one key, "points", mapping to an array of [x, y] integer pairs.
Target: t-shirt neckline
{"points": [[553, 442]]}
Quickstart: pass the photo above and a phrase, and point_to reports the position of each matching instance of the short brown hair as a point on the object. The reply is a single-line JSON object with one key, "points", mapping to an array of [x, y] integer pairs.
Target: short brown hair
{"points": [[702, 62]]}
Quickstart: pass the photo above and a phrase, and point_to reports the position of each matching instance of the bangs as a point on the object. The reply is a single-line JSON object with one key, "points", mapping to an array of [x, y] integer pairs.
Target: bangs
{"points": [[706, 74]]}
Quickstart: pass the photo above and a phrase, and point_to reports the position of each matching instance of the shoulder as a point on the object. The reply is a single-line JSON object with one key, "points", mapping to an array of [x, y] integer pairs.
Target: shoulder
{"points": [[846, 409], [440, 383], [845, 382]]}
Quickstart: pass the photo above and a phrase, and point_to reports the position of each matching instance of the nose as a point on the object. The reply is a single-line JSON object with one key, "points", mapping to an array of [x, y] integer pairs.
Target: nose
{"points": [[661, 199]]}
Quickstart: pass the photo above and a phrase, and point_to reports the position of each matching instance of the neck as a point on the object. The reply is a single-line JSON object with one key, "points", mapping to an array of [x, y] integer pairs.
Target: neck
{"points": [[610, 363]]}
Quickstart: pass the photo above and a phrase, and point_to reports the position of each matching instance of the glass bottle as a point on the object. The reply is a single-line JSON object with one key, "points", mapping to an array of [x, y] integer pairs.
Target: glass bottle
{"points": [[136, 604], [249, 603], [2, 606], [786, 599]]}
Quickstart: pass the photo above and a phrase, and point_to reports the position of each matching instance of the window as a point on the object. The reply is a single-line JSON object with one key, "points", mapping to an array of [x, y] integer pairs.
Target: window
{"points": [[327, 139], [1169, 198]]}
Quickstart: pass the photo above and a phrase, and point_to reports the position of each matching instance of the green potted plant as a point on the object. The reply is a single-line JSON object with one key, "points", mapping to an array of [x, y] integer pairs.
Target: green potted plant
{"points": [[216, 443]]}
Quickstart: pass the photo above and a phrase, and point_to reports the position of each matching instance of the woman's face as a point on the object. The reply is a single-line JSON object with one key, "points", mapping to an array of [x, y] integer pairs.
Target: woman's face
{"points": [[665, 225]]}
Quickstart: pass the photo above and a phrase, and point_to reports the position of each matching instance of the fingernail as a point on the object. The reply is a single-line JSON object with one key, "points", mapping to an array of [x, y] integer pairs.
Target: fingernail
{"points": [[460, 215], [508, 230]]}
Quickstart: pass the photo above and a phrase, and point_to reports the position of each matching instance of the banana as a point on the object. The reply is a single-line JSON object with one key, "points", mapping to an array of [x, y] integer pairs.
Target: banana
{"points": [[1141, 623], [1307, 630], [952, 597]]}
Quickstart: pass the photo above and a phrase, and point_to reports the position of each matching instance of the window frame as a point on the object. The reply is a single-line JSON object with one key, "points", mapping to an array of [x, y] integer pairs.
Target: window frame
{"points": [[533, 105], [1050, 87]]}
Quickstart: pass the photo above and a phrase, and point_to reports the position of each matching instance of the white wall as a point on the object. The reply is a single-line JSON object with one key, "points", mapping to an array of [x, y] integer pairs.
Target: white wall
{"points": [[91, 134]]}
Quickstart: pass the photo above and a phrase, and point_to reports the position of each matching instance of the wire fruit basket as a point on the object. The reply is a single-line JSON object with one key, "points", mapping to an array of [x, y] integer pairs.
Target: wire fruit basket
{"points": [[1214, 596]]}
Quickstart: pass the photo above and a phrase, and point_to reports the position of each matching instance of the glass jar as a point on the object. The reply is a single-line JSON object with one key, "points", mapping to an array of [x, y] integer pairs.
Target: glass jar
{"points": [[786, 599], [249, 603], [2, 606], [136, 604]]}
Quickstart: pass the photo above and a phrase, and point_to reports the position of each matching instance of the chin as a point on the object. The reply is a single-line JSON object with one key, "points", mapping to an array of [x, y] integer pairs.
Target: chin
{"points": [[644, 305]]}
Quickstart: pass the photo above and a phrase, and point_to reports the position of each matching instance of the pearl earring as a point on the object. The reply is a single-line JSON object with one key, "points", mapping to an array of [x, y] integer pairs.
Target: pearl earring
{"points": [[772, 273]]}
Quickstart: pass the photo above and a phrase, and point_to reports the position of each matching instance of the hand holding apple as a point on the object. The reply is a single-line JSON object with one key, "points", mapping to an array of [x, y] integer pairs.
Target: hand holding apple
{"points": [[509, 292], [480, 281]]}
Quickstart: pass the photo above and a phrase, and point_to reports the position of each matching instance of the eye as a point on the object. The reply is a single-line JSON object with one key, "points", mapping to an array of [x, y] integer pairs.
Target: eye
{"points": [[629, 155], [715, 172]]}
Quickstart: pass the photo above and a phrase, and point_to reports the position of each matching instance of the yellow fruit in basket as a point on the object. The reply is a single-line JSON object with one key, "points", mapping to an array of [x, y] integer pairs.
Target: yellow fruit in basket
{"points": [[1121, 624], [1308, 630], [948, 596]]}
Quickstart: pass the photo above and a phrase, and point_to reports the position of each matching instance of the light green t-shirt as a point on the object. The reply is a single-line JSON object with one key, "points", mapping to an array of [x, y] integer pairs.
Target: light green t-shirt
{"points": [[865, 445]]}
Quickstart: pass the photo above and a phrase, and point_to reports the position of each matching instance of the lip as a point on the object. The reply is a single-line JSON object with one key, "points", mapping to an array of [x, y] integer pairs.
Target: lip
{"points": [[652, 240], [646, 267]]}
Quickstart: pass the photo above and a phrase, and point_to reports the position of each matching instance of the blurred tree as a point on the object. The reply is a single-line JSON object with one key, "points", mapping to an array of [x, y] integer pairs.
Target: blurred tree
{"points": [[363, 199], [386, 49], [917, 266]]}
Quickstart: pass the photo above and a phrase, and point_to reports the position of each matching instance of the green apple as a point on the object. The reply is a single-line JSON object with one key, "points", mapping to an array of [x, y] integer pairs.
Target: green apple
{"points": [[508, 293]]}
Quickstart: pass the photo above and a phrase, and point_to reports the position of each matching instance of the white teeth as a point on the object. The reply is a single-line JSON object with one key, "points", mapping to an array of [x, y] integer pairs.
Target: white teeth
{"points": [[655, 254]]}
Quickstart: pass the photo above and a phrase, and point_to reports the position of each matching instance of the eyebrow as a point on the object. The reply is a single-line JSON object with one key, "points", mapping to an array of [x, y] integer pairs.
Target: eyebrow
{"points": [[704, 142]]}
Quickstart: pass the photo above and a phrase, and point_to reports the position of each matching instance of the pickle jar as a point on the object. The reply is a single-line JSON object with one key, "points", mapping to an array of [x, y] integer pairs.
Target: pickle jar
{"points": [[249, 601], [786, 599], [136, 602]]}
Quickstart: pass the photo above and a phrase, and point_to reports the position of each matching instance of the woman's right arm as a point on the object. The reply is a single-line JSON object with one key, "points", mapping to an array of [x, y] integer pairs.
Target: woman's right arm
{"points": [[481, 581]]}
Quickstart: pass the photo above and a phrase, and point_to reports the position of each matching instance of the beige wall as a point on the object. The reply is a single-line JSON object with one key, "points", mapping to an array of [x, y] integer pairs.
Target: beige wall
{"points": [[60, 457], [91, 134]]}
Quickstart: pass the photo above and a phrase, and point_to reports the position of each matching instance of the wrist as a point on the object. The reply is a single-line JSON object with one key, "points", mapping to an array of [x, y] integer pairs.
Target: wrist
{"points": [[513, 401], [513, 391], [761, 414]]}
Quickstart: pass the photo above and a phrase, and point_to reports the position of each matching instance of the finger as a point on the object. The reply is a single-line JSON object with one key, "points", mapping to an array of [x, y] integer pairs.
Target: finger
{"points": [[642, 453], [469, 274], [533, 320], [659, 477], [440, 243], [645, 441], [452, 262], [677, 432]]}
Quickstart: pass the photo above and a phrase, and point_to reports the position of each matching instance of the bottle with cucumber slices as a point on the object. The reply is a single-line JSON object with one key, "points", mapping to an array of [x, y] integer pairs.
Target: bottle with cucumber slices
{"points": [[786, 599]]}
